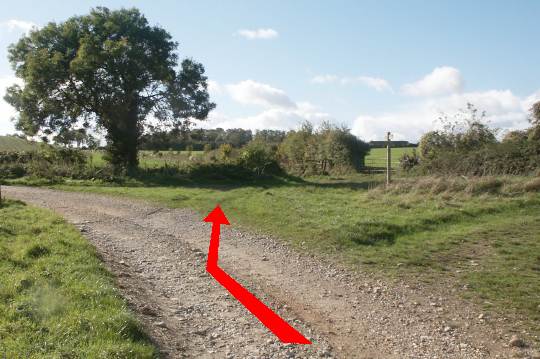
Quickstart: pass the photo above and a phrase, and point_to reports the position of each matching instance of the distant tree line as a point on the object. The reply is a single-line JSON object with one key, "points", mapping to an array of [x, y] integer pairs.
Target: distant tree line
{"points": [[206, 139], [382, 144]]}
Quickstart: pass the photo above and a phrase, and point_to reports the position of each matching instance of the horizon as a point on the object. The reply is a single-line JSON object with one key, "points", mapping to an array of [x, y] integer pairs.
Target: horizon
{"points": [[373, 67]]}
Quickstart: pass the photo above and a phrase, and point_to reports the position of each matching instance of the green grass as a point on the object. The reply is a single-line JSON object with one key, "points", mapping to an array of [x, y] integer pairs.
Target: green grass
{"points": [[377, 156], [487, 241], [12, 143], [56, 298], [151, 159]]}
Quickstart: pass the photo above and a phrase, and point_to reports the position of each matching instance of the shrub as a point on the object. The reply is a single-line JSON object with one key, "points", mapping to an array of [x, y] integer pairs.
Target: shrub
{"points": [[327, 150], [225, 152], [469, 147], [258, 157], [409, 161], [48, 162], [432, 144]]}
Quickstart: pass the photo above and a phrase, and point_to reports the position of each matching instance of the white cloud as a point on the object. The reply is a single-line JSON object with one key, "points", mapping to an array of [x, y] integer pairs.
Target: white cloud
{"points": [[324, 79], [375, 83], [258, 34], [272, 118], [18, 25], [441, 81], [6, 111], [214, 87], [279, 111], [504, 110], [249, 92]]}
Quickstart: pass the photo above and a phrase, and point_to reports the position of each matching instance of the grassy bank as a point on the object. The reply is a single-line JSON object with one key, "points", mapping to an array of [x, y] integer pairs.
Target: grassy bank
{"points": [[482, 234], [12, 143], [56, 298]]}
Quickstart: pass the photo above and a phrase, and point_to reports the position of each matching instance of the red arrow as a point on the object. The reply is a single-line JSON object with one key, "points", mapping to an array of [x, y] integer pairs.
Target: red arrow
{"points": [[271, 320]]}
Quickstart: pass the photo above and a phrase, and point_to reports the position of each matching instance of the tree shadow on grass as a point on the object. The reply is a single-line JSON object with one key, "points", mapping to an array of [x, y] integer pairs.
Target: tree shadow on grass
{"points": [[7, 203], [6, 231], [227, 177], [371, 232]]}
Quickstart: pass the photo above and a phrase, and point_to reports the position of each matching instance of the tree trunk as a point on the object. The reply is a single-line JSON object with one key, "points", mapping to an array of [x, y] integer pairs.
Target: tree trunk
{"points": [[123, 134]]}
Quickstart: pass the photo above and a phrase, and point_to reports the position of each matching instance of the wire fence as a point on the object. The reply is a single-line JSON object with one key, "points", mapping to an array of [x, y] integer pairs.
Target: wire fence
{"points": [[378, 165]]}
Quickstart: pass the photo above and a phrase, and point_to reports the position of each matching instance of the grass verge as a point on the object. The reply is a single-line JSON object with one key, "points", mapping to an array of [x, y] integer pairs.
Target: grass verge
{"points": [[56, 298]]}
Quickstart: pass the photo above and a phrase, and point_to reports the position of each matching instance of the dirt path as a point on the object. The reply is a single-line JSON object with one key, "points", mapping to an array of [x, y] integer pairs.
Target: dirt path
{"points": [[158, 257]]}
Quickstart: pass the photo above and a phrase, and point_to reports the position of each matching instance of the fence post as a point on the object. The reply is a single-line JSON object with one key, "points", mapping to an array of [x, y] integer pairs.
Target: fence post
{"points": [[388, 158]]}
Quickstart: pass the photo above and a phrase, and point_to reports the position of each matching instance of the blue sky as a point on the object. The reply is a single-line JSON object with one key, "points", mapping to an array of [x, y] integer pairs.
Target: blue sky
{"points": [[374, 66]]}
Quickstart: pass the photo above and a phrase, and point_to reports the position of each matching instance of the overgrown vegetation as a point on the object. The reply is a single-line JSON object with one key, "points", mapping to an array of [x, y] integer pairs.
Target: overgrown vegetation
{"points": [[467, 146], [56, 298], [325, 150], [47, 162]]}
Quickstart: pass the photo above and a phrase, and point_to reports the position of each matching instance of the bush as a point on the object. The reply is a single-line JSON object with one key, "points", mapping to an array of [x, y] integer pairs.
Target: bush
{"points": [[48, 162], [225, 152], [469, 147], [409, 161], [258, 157], [328, 150]]}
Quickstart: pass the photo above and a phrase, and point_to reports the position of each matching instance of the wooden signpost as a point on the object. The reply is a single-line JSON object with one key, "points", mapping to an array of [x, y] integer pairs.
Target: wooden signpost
{"points": [[388, 158]]}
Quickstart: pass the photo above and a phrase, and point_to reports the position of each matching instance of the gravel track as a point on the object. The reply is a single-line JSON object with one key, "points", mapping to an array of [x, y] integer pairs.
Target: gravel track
{"points": [[158, 258]]}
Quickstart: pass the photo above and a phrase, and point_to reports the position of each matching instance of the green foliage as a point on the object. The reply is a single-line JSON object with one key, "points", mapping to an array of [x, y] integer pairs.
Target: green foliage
{"points": [[535, 114], [271, 137], [327, 150], [56, 298], [409, 161], [259, 158], [225, 152], [469, 147], [197, 138], [431, 144], [78, 137], [47, 162], [109, 69]]}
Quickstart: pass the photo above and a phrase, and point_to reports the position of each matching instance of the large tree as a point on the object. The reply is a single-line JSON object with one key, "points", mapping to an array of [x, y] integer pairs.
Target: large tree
{"points": [[108, 69]]}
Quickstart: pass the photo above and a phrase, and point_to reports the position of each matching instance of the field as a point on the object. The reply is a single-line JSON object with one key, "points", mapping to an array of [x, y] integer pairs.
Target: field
{"points": [[11, 143], [479, 234], [56, 298], [151, 159], [377, 156]]}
